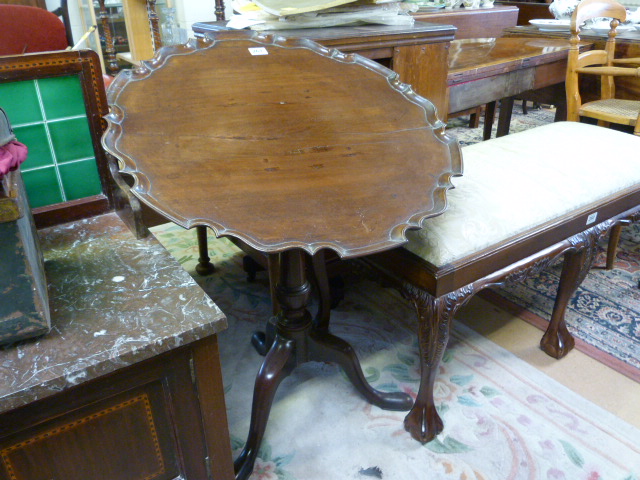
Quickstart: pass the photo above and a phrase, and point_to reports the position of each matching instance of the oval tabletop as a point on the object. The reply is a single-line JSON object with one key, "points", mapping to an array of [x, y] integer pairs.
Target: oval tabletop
{"points": [[280, 143]]}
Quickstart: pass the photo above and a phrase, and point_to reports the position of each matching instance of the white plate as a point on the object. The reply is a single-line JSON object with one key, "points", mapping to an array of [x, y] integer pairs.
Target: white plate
{"points": [[605, 29], [550, 25]]}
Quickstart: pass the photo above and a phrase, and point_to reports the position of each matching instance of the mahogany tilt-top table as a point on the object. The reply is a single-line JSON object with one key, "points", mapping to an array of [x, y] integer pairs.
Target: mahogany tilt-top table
{"points": [[292, 149], [399, 47]]}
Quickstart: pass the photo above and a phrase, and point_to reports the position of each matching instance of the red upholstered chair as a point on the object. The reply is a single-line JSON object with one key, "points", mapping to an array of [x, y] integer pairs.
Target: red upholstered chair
{"points": [[30, 29]]}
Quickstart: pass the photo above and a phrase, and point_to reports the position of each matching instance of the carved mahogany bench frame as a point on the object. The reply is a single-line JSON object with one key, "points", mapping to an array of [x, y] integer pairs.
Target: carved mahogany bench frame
{"points": [[437, 293]]}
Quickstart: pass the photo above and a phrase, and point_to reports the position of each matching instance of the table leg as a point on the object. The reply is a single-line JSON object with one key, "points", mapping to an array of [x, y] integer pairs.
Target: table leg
{"points": [[434, 322], [297, 340], [277, 365], [293, 323], [204, 266], [561, 111], [262, 341], [489, 116], [557, 341], [325, 347], [504, 119]]}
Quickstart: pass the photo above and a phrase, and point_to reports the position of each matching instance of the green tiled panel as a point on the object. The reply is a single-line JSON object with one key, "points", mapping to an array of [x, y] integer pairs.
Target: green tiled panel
{"points": [[62, 97], [80, 179], [71, 139], [60, 146], [35, 138], [42, 187], [20, 101]]}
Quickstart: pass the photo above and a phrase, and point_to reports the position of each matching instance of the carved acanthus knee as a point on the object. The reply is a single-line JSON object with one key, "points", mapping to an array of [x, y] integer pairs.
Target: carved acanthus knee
{"points": [[434, 322]]}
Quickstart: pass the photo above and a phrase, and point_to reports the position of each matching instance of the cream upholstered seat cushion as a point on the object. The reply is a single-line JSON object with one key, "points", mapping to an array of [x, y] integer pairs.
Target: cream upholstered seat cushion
{"points": [[517, 182]]}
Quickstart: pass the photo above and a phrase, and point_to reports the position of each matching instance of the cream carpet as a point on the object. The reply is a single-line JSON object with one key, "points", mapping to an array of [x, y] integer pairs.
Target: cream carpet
{"points": [[504, 419]]}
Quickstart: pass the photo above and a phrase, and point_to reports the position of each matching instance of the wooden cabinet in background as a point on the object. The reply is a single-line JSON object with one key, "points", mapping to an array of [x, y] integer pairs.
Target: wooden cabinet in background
{"points": [[529, 10], [474, 22]]}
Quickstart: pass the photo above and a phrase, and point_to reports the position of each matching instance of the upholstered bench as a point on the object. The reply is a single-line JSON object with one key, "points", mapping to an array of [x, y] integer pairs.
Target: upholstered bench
{"points": [[523, 200]]}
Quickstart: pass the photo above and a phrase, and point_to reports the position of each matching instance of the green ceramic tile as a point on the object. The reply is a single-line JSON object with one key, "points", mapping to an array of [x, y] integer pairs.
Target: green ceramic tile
{"points": [[71, 139], [20, 101], [80, 179], [42, 187], [35, 138], [62, 97]]}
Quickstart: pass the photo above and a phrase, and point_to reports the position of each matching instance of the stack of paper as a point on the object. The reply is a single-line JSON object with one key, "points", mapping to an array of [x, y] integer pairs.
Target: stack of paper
{"points": [[290, 14]]}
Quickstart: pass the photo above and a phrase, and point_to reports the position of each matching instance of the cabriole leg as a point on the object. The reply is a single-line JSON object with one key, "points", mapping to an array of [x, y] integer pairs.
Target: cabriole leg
{"points": [[557, 341], [434, 322]]}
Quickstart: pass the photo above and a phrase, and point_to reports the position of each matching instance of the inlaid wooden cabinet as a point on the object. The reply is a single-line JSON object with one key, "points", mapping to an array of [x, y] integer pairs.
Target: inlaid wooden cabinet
{"points": [[163, 418]]}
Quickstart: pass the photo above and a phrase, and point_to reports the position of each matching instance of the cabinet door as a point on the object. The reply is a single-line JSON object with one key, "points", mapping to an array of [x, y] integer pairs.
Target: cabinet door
{"points": [[123, 437], [143, 422]]}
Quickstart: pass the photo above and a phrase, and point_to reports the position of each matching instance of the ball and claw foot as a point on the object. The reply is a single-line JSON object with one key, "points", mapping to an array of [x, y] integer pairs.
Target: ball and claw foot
{"points": [[424, 424], [557, 345]]}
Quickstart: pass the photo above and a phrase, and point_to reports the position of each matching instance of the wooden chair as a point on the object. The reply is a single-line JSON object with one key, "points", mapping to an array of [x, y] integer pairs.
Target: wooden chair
{"points": [[607, 109]]}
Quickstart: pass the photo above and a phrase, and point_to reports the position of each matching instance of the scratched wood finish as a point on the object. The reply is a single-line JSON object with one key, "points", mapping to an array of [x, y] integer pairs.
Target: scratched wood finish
{"points": [[334, 151]]}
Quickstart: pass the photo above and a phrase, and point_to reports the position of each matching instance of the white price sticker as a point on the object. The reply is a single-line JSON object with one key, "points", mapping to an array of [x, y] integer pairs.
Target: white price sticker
{"points": [[258, 51]]}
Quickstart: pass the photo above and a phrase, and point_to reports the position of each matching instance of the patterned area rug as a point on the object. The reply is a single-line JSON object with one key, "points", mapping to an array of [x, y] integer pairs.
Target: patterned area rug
{"points": [[503, 418], [534, 118], [604, 314]]}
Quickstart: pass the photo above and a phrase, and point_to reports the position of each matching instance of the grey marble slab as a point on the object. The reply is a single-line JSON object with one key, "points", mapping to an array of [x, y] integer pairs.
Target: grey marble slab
{"points": [[115, 300]]}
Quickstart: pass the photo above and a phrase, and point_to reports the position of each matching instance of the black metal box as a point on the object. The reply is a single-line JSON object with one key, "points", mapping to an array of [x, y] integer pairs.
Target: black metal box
{"points": [[24, 303]]}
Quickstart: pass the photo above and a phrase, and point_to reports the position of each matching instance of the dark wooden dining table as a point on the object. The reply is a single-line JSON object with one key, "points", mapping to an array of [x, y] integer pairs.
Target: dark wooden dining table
{"points": [[627, 45], [293, 150], [483, 71]]}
